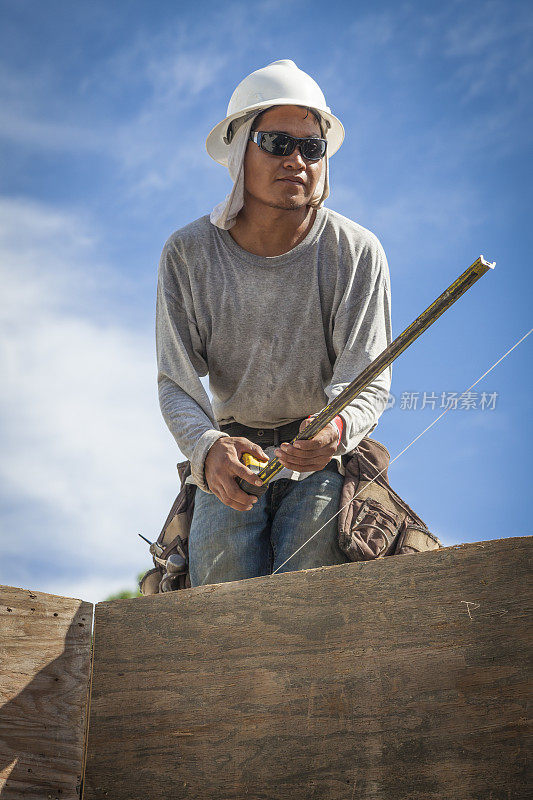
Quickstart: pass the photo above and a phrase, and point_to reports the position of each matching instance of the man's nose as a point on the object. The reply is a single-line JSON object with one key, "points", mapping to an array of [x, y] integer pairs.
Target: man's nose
{"points": [[295, 159]]}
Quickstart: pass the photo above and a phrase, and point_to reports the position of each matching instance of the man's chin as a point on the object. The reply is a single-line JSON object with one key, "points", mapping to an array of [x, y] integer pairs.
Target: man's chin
{"points": [[289, 203]]}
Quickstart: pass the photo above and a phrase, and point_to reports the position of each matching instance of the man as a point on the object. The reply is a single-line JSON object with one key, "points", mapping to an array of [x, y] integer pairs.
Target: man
{"points": [[282, 302]]}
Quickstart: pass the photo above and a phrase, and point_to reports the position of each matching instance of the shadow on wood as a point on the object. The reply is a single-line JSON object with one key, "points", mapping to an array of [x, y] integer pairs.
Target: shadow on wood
{"points": [[398, 679], [45, 646]]}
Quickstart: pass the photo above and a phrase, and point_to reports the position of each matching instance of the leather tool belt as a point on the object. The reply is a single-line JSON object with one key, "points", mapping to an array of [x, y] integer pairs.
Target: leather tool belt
{"points": [[264, 436]]}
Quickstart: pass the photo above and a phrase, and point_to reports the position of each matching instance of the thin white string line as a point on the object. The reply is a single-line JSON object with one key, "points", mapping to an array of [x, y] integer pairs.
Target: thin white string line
{"points": [[448, 407]]}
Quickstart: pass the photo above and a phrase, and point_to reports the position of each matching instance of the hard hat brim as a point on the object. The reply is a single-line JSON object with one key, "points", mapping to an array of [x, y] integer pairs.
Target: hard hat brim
{"points": [[218, 149]]}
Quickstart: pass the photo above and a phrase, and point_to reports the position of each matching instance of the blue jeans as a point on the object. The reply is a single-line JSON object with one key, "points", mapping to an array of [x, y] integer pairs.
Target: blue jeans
{"points": [[230, 545]]}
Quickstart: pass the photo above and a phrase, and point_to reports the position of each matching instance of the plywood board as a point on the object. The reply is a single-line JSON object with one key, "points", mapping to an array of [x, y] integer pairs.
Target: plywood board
{"points": [[399, 679], [45, 657]]}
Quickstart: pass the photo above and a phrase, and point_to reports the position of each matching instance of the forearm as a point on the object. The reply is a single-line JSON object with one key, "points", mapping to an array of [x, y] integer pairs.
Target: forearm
{"points": [[181, 359], [193, 430]]}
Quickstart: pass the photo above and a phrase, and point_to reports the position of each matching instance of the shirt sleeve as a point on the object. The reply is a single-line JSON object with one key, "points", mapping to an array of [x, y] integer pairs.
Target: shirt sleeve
{"points": [[181, 360], [362, 330]]}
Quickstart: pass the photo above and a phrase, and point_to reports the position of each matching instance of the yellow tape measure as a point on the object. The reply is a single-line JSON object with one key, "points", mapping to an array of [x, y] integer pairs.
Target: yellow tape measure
{"points": [[254, 466]]}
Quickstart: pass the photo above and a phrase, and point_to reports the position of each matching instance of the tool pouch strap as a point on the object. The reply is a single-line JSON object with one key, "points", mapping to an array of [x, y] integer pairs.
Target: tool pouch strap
{"points": [[375, 521], [174, 536]]}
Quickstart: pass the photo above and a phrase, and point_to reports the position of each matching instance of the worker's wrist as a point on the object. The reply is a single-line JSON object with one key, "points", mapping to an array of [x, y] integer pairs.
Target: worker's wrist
{"points": [[339, 424], [199, 455]]}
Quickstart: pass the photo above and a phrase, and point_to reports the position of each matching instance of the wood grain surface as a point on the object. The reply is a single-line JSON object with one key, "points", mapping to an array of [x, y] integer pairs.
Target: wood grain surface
{"points": [[45, 657], [399, 679]]}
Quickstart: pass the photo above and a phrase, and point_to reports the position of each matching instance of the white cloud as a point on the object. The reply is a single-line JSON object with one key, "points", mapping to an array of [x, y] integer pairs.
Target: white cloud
{"points": [[85, 451]]}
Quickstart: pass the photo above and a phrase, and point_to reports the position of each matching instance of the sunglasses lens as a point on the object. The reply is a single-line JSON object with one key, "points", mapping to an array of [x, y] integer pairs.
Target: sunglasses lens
{"points": [[279, 144], [313, 149]]}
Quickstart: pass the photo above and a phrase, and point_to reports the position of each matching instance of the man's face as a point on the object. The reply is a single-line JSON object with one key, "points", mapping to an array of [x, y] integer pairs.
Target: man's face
{"points": [[286, 182]]}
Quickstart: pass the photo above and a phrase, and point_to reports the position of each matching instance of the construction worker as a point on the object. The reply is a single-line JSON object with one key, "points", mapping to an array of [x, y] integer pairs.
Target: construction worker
{"points": [[282, 302]]}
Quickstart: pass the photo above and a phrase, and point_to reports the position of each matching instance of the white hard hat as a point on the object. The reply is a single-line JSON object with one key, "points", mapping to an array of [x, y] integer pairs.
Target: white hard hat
{"points": [[278, 84]]}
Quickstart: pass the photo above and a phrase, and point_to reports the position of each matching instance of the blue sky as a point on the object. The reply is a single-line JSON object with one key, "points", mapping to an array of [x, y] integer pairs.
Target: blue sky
{"points": [[104, 111]]}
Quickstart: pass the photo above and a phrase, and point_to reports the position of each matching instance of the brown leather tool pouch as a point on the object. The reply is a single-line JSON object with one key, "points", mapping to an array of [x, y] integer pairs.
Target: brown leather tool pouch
{"points": [[174, 536], [374, 520]]}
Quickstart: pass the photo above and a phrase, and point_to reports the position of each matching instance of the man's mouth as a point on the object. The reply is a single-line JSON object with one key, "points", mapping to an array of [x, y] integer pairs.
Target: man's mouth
{"points": [[293, 180]]}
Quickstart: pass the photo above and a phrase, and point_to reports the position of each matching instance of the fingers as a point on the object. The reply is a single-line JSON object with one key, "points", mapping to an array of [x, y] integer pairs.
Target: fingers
{"points": [[307, 466], [233, 495], [259, 453], [315, 443], [223, 467], [240, 471], [304, 456], [308, 455], [228, 491], [328, 435], [229, 498], [305, 423], [309, 463], [244, 445], [305, 450]]}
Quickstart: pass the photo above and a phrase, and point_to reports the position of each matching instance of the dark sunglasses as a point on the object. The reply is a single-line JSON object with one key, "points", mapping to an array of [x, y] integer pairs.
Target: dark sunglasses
{"points": [[281, 144]]}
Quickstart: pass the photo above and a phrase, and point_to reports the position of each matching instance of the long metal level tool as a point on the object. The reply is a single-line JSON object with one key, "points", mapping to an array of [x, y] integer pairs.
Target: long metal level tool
{"points": [[395, 348]]}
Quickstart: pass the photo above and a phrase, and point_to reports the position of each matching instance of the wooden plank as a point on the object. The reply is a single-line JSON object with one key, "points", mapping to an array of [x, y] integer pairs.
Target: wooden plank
{"points": [[45, 658], [399, 679]]}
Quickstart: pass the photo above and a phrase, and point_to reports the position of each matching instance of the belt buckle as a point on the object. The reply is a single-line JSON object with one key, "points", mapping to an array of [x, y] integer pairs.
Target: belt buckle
{"points": [[261, 435]]}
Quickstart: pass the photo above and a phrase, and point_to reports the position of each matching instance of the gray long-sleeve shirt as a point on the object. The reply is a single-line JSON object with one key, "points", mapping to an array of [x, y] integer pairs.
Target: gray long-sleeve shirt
{"points": [[278, 336]]}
